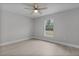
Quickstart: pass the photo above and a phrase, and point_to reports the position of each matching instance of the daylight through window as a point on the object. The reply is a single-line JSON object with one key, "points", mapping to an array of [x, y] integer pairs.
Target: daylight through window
{"points": [[49, 28]]}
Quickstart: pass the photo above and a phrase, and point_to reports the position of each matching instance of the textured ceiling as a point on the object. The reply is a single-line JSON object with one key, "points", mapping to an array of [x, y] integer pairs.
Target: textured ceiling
{"points": [[52, 8]]}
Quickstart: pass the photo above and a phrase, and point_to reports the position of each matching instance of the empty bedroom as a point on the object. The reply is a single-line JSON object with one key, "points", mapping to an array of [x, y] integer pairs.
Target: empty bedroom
{"points": [[39, 29]]}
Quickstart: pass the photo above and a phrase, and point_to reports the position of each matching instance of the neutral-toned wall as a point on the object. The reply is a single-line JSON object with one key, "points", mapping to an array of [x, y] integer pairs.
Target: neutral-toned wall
{"points": [[66, 27], [0, 21], [15, 27], [0, 27]]}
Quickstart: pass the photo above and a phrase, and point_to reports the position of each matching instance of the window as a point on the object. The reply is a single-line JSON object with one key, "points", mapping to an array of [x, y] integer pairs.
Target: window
{"points": [[49, 28]]}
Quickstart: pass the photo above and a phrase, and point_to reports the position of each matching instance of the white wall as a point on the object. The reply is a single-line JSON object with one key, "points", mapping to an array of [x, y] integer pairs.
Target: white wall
{"points": [[15, 27], [0, 27], [66, 27], [0, 21]]}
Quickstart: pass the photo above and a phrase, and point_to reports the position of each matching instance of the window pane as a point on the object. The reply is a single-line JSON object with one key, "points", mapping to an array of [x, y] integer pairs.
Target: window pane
{"points": [[49, 28]]}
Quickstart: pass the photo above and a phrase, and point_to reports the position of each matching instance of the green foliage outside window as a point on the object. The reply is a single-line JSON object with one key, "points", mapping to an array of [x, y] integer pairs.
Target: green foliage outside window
{"points": [[49, 26]]}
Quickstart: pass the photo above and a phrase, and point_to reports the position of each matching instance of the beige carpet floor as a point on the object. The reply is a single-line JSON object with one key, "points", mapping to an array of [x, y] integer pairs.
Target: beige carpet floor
{"points": [[37, 48]]}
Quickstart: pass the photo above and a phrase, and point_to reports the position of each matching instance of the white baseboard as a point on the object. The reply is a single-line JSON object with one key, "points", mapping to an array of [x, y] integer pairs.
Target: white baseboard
{"points": [[58, 42], [67, 44], [12, 42], [41, 38]]}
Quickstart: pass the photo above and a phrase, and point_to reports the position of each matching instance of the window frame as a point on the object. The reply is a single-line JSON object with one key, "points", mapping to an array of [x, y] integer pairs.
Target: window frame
{"points": [[45, 22]]}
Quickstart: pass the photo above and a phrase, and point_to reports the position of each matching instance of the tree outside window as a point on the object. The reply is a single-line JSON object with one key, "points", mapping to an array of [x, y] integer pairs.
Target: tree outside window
{"points": [[49, 28]]}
